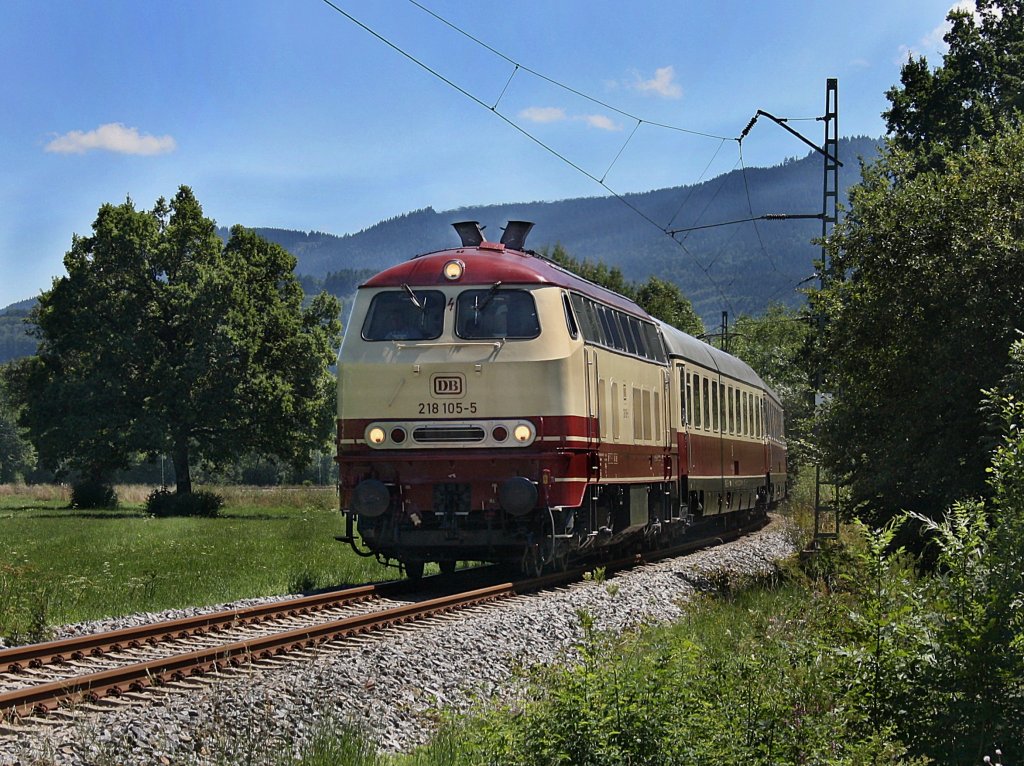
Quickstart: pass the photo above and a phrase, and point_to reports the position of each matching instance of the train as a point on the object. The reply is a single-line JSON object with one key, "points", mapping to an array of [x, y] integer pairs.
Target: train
{"points": [[495, 407]]}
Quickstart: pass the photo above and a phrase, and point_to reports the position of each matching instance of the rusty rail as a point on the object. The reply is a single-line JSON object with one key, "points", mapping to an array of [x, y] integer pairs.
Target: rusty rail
{"points": [[45, 697], [57, 652], [137, 677]]}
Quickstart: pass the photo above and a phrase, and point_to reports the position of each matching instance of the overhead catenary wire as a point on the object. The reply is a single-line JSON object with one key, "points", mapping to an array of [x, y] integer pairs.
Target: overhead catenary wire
{"points": [[619, 196], [518, 66], [556, 83]]}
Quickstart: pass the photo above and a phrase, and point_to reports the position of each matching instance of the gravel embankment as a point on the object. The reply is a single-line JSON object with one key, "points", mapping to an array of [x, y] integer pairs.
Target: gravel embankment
{"points": [[393, 684]]}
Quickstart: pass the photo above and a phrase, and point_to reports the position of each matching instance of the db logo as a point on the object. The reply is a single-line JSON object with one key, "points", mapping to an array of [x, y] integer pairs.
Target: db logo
{"points": [[449, 385]]}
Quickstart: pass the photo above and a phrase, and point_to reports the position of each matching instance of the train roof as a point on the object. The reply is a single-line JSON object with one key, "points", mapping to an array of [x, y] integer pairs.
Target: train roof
{"points": [[684, 346], [491, 262]]}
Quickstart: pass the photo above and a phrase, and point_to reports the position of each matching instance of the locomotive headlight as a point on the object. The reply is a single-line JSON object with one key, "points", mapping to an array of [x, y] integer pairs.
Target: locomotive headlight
{"points": [[522, 433], [375, 435], [453, 270]]}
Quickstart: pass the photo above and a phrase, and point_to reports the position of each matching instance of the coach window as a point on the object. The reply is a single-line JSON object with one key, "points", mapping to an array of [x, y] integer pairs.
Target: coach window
{"points": [[490, 314], [395, 315], [716, 402], [697, 407], [684, 397], [722, 407], [705, 394], [730, 411]]}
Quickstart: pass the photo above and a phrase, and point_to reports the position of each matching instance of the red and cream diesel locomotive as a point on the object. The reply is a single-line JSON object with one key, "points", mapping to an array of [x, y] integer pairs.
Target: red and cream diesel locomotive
{"points": [[493, 406]]}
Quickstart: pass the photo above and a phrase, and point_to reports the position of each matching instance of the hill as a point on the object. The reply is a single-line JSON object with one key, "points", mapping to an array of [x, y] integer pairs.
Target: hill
{"points": [[14, 338], [741, 267]]}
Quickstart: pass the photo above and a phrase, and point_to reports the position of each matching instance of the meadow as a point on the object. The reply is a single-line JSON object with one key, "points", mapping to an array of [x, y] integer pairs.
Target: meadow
{"points": [[60, 565]]}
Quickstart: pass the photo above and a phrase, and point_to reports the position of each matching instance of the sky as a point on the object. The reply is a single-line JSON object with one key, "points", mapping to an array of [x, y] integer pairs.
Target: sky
{"points": [[290, 114]]}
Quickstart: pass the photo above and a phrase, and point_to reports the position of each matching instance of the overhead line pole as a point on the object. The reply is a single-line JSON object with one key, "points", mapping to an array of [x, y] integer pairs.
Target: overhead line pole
{"points": [[826, 514]]}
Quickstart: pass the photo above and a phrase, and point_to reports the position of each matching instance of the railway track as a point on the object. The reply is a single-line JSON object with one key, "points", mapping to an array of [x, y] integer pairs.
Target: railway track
{"points": [[40, 678]]}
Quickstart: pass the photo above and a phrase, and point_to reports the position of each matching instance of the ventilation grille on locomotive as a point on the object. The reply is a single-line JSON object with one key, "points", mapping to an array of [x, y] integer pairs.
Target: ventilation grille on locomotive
{"points": [[448, 434]]}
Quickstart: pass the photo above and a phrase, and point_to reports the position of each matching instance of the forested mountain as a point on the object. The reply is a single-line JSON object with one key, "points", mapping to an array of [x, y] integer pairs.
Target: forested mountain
{"points": [[14, 340], [740, 268]]}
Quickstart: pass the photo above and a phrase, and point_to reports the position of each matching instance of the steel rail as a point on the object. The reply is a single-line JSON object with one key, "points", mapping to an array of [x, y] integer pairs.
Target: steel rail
{"points": [[60, 651], [136, 677]]}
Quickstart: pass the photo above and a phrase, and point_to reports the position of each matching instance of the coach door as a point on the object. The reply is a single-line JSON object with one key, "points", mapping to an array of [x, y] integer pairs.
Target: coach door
{"points": [[593, 397], [681, 399]]}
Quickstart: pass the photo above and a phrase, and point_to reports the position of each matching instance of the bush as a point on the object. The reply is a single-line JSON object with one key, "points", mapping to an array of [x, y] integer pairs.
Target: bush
{"points": [[93, 494], [161, 502]]}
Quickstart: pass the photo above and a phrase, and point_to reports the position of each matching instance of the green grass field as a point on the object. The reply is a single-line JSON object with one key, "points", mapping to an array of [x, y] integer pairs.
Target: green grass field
{"points": [[59, 565]]}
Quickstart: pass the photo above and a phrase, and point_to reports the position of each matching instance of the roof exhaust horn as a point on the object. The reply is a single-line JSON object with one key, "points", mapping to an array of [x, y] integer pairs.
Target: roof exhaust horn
{"points": [[470, 232], [515, 234]]}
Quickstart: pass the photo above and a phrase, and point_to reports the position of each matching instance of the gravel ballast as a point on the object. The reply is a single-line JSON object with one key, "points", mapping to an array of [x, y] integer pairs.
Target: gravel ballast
{"points": [[392, 684]]}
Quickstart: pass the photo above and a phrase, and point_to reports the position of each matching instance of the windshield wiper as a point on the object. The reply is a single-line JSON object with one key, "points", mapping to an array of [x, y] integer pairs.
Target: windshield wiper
{"points": [[490, 294], [412, 296]]}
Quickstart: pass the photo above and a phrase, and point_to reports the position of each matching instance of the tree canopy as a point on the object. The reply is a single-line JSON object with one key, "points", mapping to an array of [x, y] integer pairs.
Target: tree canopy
{"points": [[926, 286], [978, 87], [17, 457], [927, 295], [162, 339]]}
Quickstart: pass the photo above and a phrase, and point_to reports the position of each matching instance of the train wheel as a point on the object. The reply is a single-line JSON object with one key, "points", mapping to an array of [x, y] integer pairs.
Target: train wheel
{"points": [[414, 570], [533, 563], [560, 562], [447, 566]]}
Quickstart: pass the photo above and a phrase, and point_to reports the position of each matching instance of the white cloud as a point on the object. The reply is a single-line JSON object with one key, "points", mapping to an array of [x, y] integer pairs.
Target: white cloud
{"points": [[543, 114], [662, 84], [546, 114], [932, 44], [599, 121], [112, 137]]}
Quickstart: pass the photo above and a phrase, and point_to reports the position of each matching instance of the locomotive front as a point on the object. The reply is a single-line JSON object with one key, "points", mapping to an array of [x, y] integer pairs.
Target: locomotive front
{"points": [[461, 427]]}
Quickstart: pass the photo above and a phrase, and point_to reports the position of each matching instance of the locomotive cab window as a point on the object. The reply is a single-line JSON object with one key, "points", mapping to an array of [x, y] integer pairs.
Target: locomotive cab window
{"points": [[405, 315], [493, 313], [570, 320]]}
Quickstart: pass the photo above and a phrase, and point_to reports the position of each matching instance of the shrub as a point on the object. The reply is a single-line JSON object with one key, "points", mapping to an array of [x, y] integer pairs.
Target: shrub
{"points": [[93, 494], [161, 502]]}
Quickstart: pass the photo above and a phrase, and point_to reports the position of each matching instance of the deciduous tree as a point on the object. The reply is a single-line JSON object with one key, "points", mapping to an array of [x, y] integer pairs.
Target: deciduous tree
{"points": [[978, 87], [162, 339], [927, 295]]}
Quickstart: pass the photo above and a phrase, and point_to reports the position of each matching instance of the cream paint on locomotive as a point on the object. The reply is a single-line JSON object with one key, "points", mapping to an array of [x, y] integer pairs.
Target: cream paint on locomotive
{"points": [[544, 376], [637, 403], [527, 378], [631, 395]]}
